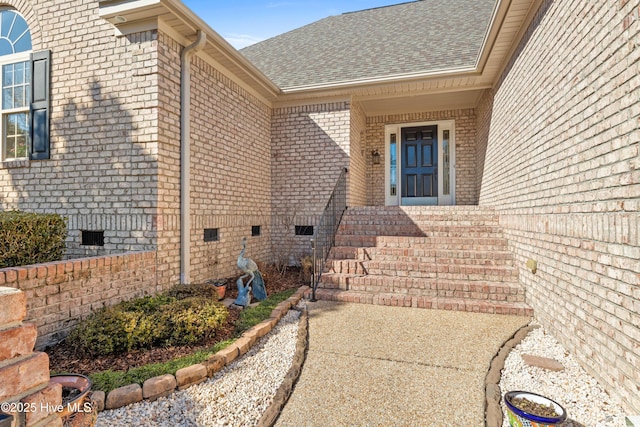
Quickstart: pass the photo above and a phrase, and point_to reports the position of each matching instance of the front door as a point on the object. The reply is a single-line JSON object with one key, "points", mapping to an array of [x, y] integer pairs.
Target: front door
{"points": [[419, 172]]}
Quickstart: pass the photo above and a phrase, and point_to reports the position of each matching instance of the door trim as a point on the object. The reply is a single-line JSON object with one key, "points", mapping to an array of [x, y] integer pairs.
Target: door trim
{"points": [[443, 125]]}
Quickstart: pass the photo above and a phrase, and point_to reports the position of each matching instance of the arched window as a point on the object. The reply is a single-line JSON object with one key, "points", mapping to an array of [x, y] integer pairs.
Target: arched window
{"points": [[15, 80]]}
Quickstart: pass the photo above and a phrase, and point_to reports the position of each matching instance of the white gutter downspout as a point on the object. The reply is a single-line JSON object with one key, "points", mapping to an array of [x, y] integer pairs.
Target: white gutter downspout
{"points": [[185, 156]]}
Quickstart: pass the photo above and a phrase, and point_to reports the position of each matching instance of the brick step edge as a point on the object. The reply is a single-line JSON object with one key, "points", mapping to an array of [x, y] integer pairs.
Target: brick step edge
{"points": [[408, 282], [392, 267], [436, 303], [492, 297], [195, 374], [370, 253], [480, 244]]}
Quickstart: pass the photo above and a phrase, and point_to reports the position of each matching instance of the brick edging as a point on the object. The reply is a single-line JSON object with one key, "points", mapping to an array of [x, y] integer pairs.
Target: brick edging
{"points": [[492, 408], [272, 413], [195, 374]]}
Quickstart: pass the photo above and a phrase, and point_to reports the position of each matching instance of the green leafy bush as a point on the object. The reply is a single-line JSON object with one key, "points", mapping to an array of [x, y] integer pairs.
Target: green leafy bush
{"points": [[109, 380], [148, 321], [113, 330], [31, 238], [148, 304], [190, 320]]}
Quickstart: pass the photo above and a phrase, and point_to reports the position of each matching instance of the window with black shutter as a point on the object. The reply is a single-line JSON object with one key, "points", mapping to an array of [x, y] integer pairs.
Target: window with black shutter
{"points": [[25, 92]]}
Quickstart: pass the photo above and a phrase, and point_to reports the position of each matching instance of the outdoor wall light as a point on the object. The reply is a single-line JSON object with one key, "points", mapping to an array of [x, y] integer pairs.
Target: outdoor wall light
{"points": [[118, 19], [532, 265], [375, 157]]}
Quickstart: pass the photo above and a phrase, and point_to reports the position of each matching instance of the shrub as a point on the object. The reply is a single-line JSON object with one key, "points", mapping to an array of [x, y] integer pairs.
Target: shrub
{"points": [[111, 331], [148, 304], [148, 321], [30, 238], [191, 320]]}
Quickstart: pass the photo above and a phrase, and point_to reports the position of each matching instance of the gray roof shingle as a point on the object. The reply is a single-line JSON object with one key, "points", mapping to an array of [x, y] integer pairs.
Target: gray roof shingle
{"points": [[415, 37]]}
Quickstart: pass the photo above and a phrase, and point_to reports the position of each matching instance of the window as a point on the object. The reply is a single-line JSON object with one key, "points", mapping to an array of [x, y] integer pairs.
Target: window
{"points": [[393, 166], [24, 92], [255, 230], [15, 79]]}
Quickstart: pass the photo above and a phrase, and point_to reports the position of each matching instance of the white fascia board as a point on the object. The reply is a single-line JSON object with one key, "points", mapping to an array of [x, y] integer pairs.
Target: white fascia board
{"points": [[395, 78], [109, 11]]}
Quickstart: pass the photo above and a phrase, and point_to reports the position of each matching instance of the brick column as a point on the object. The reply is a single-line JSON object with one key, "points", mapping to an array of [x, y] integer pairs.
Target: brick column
{"points": [[25, 392]]}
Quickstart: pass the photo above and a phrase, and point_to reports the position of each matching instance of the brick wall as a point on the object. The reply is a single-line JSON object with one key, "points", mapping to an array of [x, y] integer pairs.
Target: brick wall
{"points": [[559, 140], [230, 169], [230, 173], [60, 294], [168, 222], [310, 146], [465, 133], [102, 170], [24, 373], [360, 160]]}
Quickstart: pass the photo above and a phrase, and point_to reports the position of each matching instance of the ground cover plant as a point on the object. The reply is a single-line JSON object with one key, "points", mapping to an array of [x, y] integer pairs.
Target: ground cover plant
{"points": [[134, 356]]}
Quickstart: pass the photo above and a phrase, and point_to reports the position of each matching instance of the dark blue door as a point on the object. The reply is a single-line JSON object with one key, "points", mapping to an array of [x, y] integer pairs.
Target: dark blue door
{"points": [[420, 165]]}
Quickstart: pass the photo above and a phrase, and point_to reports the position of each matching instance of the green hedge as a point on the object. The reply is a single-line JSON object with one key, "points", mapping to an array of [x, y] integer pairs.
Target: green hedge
{"points": [[31, 238], [147, 322]]}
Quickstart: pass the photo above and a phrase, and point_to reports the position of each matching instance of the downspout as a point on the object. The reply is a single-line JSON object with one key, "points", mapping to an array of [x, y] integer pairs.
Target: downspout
{"points": [[185, 155]]}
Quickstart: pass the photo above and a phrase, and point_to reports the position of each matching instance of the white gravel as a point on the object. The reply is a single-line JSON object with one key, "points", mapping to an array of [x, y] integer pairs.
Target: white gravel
{"points": [[585, 401], [238, 395]]}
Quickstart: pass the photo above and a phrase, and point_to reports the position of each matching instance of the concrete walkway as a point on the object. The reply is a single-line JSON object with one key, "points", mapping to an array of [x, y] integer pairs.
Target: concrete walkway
{"points": [[370, 365]]}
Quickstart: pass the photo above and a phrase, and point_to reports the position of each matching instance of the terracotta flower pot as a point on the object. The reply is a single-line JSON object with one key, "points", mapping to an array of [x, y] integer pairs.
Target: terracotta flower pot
{"points": [[221, 289], [77, 409]]}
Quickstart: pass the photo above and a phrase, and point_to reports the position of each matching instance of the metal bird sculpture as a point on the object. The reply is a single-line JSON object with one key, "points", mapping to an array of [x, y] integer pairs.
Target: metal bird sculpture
{"points": [[250, 269]]}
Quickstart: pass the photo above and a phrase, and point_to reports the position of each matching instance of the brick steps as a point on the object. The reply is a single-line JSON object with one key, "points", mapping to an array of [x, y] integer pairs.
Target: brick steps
{"points": [[433, 257], [412, 242], [434, 287], [436, 303], [421, 230], [339, 264], [424, 254], [427, 268]]}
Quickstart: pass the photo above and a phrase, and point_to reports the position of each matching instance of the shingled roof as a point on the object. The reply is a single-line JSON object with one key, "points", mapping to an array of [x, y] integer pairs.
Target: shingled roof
{"points": [[422, 36]]}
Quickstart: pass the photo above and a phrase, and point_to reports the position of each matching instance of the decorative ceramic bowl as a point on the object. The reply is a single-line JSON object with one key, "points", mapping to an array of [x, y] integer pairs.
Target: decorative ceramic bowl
{"points": [[520, 418]]}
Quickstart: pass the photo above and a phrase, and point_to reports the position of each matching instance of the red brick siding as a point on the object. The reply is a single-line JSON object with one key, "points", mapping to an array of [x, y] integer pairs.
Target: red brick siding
{"points": [[60, 294]]}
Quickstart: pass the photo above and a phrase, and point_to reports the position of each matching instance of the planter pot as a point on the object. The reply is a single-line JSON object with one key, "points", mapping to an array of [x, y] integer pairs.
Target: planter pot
{"points": [[520, 418], [221, 289], [77, 409]]}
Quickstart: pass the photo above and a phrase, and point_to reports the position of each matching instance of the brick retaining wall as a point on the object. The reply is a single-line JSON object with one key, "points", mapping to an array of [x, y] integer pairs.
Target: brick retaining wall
{"points": [[60, 294]]}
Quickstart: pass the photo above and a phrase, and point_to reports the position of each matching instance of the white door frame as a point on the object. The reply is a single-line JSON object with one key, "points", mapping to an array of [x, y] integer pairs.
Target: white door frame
{"points": [[395, 129]]}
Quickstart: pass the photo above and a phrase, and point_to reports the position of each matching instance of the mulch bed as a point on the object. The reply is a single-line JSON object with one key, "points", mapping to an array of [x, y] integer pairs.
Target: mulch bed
{"points": [[63, 358]]}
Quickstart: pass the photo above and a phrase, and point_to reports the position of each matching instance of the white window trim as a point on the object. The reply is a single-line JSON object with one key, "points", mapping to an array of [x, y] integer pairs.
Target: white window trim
{"points": [[397, 129], [5, 60]]}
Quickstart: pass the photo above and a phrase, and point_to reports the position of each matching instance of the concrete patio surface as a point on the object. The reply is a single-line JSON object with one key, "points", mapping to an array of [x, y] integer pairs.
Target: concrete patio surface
{"points": [[370, 365]]}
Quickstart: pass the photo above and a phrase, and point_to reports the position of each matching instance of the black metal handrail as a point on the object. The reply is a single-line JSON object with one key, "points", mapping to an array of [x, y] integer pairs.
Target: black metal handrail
{"points": [[324, 235]]}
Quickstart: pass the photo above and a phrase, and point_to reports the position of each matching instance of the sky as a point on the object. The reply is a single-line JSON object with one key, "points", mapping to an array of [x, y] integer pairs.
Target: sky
{"points": [[245, 22]]}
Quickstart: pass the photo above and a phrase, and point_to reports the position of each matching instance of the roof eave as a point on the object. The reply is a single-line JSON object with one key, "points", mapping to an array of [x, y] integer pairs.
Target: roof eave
{"points": [[373, 81], [125, 12]]}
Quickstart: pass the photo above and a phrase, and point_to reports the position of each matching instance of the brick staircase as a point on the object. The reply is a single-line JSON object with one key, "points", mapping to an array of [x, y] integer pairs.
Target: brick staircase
{"points": [[451, 258]]}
